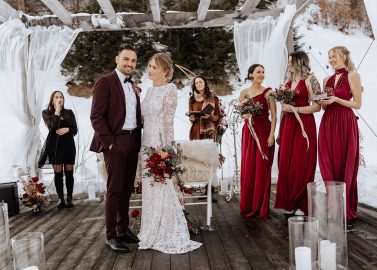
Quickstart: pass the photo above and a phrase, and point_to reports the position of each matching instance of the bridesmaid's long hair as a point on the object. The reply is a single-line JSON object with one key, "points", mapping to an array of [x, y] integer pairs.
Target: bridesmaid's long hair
{"points": [[300, 63], [343, 51], [207, 92], [50, 106]]}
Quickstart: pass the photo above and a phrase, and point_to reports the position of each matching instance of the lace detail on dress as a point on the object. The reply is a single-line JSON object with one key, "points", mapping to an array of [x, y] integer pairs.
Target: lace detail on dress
{"points": [[163, 224]]}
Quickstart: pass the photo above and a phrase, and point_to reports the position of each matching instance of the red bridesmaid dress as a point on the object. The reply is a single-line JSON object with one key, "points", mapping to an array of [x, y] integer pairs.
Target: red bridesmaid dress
{"points": [[296, 162], [338, 142], [255, 170]]}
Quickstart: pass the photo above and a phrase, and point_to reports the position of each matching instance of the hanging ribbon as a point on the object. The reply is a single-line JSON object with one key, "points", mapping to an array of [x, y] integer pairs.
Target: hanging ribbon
{"points": [[252, 132], [301, 125]]}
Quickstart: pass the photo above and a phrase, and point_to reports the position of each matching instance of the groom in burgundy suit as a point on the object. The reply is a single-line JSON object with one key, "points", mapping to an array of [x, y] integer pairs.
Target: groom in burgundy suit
{"points": [[116, 120]]}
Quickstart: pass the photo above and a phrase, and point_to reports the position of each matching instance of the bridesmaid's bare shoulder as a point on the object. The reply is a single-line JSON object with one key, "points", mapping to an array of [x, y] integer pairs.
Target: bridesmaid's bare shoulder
{"points": [[243, 93], [269, 91], [353, 75]]}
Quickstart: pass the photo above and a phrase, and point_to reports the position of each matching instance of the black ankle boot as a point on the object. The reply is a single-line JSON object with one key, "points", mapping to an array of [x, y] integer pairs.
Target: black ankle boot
{"points": [[69, 203], [62, 204]]}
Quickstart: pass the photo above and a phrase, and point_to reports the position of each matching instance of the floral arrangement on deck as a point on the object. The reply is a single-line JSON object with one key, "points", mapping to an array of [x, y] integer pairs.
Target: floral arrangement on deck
{"points": [[33, 196], [248, 106], [283, 95]]}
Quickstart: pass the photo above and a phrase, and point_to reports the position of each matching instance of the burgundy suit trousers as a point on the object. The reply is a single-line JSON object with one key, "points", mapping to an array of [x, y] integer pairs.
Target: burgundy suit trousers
{"points": [[121, 164]]}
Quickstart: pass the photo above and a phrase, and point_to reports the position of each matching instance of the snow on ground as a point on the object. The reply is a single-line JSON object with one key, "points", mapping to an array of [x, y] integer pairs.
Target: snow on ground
{"points": [[317, 42]]}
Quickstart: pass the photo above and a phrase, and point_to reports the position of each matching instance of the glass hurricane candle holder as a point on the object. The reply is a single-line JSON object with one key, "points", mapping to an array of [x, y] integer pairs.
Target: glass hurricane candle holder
{"points": [[28, 251], [5, 255], [327, 203], [303, 243]]}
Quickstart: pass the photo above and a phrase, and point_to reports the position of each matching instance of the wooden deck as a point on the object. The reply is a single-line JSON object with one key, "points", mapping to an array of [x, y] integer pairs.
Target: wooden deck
{"points": [[74, 239]]}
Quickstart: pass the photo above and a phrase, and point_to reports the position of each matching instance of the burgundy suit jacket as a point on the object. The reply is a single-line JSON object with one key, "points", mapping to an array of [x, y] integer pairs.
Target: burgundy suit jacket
{"points": [[108, 114]]}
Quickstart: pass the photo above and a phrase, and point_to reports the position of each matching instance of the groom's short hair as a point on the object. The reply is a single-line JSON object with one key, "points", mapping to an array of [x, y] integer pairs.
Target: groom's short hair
{"points": [[126, 46]]}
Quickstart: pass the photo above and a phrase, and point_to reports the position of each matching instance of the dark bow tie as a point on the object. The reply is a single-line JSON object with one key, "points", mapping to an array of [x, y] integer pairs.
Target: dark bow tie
{"points": [[126, 80]]}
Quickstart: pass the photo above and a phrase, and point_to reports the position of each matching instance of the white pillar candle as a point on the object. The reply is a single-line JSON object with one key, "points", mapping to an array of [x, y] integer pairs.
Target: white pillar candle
{"points": [[224, 186], [91, 192], [31, 268], [303, 258], [327, 251]]}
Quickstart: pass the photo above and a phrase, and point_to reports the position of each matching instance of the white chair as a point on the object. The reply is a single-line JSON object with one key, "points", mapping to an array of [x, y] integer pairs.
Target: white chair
{"points": [[201, 166]]}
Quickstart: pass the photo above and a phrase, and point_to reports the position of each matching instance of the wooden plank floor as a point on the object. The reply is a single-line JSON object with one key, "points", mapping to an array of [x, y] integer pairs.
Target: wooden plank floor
{"points": [[74, 239]]}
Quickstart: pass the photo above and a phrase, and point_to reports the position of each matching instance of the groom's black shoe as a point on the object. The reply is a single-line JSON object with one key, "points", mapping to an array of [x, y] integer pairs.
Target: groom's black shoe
{"points": [[127, 237], [117, 245]]}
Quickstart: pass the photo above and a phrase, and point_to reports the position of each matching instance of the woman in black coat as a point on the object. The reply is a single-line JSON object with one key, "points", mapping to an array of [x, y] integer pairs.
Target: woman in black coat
{"points": [[59, 149]]}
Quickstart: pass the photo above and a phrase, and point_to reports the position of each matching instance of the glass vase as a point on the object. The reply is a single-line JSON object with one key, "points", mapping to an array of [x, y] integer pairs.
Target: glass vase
{"points": [[5, 254], [303, 243], [28, 251], [327, 203]]}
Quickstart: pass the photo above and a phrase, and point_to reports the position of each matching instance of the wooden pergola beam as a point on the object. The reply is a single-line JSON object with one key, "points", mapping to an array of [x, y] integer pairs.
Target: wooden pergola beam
{"points": [[203, 9], [59, 10], [248, 7], [7, 11], [155, 9], [301, 6], [144, 21], [108, 9]]}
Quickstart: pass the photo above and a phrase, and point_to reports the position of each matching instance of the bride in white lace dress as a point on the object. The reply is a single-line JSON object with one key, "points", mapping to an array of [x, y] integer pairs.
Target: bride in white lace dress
{"points": [[163, 224]]}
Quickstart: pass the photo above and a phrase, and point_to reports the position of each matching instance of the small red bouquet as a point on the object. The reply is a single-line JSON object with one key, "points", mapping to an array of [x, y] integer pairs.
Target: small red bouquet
{"points": [[163, 162], [248, 106], [283, 95]]}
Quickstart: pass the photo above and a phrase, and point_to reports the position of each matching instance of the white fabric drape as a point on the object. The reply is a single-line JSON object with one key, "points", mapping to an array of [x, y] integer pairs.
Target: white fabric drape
{"points": [[371, 8], [262, 41], [27, 59]]}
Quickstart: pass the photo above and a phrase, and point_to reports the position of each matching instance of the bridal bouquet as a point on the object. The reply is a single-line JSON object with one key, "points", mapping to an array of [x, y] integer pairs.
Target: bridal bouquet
{"points": [[163, 162], [283, 95], [33, 196], [247, 106]]}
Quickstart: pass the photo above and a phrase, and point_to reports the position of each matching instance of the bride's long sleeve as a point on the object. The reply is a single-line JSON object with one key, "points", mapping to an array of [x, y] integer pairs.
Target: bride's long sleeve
{"points": [[170, 106]]}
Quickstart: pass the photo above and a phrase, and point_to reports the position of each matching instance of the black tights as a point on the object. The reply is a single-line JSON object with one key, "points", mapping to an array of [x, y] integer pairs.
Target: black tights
{"points": [[69, 181]]}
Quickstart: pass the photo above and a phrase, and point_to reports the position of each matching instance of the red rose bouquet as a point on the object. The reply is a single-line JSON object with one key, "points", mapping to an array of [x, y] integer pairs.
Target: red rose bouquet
{"points": [[163, 162]]}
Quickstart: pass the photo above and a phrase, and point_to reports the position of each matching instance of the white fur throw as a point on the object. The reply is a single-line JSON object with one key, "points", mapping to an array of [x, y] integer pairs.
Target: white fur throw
{"points": [[201, 150]]}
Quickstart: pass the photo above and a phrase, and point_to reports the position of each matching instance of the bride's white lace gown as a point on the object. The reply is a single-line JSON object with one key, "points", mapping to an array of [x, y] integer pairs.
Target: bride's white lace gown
{"points": [[163, 224]]}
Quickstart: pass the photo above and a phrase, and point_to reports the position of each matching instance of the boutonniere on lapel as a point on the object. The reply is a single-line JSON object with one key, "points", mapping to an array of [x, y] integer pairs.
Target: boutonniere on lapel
{"points": [[136, 89]]}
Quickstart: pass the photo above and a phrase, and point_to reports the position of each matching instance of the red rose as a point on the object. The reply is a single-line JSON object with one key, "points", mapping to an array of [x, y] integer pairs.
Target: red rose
{"points": [[35, 179], [25, 196], [135, 213]]}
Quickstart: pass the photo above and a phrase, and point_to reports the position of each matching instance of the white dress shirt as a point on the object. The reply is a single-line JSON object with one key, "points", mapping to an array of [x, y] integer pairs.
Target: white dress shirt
{"points": [[131, 103]]}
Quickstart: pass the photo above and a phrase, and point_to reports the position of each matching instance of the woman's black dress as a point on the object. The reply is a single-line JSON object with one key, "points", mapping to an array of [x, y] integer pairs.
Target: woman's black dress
{"points": [[59, 149]]}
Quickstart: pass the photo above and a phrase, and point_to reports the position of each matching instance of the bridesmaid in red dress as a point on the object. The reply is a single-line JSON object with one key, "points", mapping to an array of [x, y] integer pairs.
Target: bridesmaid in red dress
{"points": [[256, 170], [297, 157], [338, 138]]}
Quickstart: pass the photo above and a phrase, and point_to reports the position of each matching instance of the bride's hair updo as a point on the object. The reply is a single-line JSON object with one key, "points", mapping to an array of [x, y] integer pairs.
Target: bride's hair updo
{"points": [[343, 51], [300, 63], [163, 60]]}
